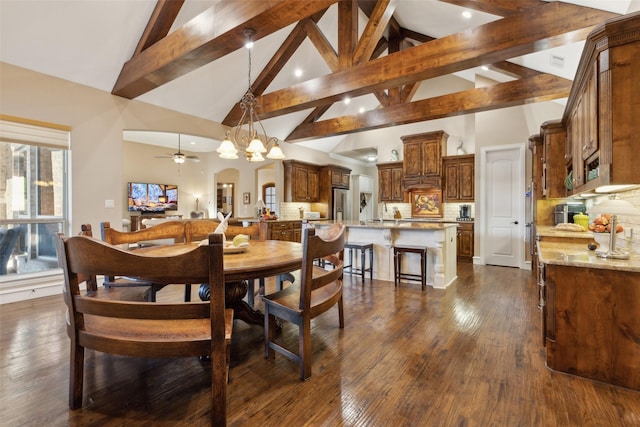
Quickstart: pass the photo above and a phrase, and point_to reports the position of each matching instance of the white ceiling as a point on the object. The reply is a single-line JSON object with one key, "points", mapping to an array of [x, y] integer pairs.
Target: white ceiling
{"points": [[88, 42]]}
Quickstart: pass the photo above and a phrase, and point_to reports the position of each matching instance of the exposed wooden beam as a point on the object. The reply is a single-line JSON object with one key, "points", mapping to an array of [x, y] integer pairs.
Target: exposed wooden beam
{"points": [[323, 46], [497, 7], [347, 32], [382, 14], [214, 33], [556, 24], [273, 67], [543, 87], [162, 18]]}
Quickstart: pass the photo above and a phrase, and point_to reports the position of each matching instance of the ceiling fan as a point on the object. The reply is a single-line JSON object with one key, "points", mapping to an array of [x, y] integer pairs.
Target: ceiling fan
{"points": [[179, 157]]}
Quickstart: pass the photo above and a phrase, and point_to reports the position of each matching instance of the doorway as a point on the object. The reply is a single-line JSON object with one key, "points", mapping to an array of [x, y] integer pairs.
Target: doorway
{"points": [[504, 188]]}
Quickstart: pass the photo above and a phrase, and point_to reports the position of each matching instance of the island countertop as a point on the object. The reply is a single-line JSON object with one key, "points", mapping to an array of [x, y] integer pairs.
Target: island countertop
{"points": [[393, 224], [578, 255]]}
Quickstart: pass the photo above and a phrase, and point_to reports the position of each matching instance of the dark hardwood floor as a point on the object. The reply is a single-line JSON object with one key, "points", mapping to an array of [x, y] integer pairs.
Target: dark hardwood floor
{"points": [[470, 355]]}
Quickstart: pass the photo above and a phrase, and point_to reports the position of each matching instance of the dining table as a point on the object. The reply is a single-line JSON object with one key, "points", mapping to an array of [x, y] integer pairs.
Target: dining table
{"points": [[258, 260]]}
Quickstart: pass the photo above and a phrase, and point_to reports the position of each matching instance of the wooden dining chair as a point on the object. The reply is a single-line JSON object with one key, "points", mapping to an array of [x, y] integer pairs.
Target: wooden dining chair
{"points": [[318, 291], [144, 329], [166, 232]]}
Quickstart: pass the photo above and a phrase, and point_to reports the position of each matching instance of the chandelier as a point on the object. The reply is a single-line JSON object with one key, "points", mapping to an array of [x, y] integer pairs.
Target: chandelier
{"points": [[245, 137]]}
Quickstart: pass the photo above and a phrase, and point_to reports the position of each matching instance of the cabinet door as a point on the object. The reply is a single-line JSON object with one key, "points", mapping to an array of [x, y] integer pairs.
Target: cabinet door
{"points": [[300, 183], [412, 165], [313, 183], [396, 185], [384, 182], [431, 158], [451, 180], [346, 178], [466, 181]]}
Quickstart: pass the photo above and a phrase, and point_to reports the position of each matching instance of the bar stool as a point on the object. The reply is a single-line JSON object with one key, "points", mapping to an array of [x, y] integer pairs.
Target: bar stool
{"points": [[363, 248], [397, 264]]}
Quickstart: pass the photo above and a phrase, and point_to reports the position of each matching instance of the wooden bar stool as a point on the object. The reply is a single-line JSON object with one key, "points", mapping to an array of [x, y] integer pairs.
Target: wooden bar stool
{"points": [[397, 264], [363, 248]]}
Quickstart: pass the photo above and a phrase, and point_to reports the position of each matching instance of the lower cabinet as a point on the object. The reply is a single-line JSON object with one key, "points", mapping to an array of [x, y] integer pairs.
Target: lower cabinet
{"points": [[464, 241], [284, 230]]}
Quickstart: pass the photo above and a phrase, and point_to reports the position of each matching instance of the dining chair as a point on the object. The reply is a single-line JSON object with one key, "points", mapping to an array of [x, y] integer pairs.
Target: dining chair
{"points": [[144, 329], [162, 233], [319, 290]]}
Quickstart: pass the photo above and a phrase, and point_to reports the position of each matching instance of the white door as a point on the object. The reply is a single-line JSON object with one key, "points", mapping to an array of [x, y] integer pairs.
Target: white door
{"points": [[504, 208]]}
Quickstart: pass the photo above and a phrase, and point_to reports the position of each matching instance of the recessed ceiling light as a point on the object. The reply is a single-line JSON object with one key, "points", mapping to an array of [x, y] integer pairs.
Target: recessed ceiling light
{"points": [[347, 101], [372, 157], [485, 68], [297, 72], [466, 14], [361, 110]]}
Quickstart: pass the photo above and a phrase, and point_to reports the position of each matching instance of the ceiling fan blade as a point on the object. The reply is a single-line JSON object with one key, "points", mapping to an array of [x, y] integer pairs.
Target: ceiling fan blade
{"points": [[195, 159]]}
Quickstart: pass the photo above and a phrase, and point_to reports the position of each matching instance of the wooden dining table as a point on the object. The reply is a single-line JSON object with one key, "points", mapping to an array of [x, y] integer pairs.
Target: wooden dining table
{"points": [[261, 259]]}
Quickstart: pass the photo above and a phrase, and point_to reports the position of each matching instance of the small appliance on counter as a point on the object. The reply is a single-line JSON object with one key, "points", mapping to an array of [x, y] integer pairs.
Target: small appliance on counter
{"points": [[465, 213], [564, 212]]}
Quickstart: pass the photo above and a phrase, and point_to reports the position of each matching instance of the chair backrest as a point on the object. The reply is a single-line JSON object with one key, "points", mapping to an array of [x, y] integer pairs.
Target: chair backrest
{"points": [[199, 229], [164, 231], [327, 243], [84, 257]]}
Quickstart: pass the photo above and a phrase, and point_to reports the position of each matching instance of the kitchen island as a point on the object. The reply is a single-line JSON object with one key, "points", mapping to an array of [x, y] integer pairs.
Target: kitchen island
{"points": [[438, 236], [590, 316]]}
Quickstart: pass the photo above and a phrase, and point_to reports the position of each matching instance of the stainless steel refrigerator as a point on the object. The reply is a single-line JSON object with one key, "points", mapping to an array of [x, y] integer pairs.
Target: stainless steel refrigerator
{"points": [[340, 205]]}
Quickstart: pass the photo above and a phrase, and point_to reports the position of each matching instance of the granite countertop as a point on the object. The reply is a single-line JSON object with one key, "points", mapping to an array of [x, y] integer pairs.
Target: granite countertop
{"points": [[578, 255], [394, 224], [551, 231]]}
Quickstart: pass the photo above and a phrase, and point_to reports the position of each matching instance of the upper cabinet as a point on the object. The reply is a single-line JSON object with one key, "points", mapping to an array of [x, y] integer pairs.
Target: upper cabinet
{"points": [[301, 181], [601, 118], [423, 159], [459, 178], [390, 182], [336, 176], [551, 153]]}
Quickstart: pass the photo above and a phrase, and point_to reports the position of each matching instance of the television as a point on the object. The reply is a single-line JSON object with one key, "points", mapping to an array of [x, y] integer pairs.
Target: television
{"points": [[146, 197]]}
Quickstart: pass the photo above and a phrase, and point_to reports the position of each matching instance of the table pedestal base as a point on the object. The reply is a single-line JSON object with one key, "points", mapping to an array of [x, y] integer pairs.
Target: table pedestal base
{"points": [[234, 292]]}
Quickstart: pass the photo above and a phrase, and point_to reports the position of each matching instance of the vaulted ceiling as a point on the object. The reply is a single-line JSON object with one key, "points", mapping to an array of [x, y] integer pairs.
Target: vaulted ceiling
{"points": [[383, 55]]}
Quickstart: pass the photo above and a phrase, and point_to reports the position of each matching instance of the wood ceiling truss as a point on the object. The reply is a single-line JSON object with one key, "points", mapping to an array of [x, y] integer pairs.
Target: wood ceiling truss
{"points": [[359, 67]]}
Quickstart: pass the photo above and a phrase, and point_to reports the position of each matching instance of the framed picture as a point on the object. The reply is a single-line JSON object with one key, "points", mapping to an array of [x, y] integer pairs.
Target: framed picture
{"points": [[426, 204], [246, 198], [224, 199]]}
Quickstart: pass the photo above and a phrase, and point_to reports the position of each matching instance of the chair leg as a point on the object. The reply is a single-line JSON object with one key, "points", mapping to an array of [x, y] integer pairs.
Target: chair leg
{"points": [[362, 263], [341, 312], [305, 348], [269, 333], [76, 376], [371, 264]]}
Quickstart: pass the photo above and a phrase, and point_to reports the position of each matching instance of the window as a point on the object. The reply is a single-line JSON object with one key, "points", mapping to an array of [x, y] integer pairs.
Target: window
{"points": [[269, 196], [33, 197]]}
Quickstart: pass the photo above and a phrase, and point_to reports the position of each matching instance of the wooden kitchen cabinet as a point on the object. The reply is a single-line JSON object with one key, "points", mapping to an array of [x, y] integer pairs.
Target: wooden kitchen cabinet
{"points": [[553, 174], [338, 176], [591, 321], [601, 117], [301, 181], [290, 231], [390, 182], [459, 178], [423, 159], [464, 241]]}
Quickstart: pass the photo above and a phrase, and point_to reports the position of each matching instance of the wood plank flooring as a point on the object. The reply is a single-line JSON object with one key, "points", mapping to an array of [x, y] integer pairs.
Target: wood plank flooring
{"points": [[470, 355]]}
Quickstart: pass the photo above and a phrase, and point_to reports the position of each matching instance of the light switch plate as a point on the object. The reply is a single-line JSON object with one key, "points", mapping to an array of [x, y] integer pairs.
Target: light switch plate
{"points": [[109, 204]]}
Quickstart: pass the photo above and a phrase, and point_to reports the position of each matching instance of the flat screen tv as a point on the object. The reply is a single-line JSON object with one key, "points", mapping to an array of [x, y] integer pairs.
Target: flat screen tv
{"points": [[146, 197]]}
